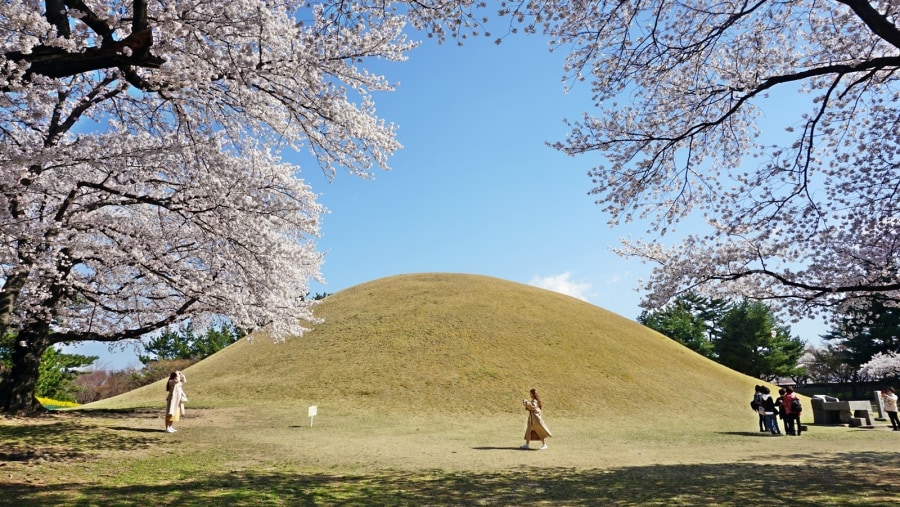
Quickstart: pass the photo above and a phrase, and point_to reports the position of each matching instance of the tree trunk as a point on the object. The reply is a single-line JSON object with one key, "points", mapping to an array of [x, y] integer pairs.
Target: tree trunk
{"points": [[17, 393]]}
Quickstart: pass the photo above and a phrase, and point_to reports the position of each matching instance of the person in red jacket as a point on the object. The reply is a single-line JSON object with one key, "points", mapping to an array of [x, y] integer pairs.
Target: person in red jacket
{"points": [[791, 414]]}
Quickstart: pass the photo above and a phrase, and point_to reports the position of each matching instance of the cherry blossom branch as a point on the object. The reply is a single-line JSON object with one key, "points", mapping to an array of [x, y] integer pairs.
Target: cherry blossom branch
{"points": [[877, 22], [55, 62], [136, 332]]}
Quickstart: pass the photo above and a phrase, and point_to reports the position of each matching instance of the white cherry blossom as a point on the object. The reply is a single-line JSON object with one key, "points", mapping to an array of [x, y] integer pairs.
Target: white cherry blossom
{"points": [[810, 221], [881, 366], [141, 174]]}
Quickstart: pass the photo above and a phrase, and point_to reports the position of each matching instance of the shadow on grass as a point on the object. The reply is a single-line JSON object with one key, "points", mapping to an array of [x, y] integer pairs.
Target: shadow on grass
{"points": [[61, 440], [138, 430], [765, 434], [847, 479], [116, 413]]}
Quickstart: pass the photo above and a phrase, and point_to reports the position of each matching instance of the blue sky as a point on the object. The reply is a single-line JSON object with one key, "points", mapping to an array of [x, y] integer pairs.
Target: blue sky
{"points": [[475, 188]]}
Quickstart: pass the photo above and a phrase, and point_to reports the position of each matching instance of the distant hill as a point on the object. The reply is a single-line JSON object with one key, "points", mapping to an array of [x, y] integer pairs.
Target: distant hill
{"points": [[468, 344]]}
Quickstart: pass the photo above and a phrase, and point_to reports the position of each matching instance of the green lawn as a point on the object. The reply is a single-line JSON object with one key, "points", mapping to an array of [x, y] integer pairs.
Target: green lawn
{"points": [[273, 457]]}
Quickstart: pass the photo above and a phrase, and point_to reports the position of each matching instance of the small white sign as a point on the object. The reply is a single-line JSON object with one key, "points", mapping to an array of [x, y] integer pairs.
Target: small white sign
{"points": [[313, 410]]}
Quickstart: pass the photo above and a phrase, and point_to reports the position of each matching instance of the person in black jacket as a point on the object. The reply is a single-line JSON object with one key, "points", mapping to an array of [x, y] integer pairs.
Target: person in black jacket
{"points": [[779, 404], [770, 412]]}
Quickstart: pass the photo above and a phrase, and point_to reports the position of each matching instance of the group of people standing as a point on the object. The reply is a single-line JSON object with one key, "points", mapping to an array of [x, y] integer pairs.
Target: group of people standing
{"points": [[786, 407]]}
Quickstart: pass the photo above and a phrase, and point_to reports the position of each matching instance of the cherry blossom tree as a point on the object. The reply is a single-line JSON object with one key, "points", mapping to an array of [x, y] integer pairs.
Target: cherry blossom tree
{"points": [[882, 365], [141, 175], [141, 141], [810, 220]]}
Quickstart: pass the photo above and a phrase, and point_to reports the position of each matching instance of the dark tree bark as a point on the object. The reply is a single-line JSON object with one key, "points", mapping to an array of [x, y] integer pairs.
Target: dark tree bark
{"points": [[54, 62], [17, 394]]}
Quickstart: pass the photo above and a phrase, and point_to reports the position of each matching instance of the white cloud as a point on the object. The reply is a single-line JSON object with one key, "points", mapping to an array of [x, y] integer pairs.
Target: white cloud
{"points": [[618, 278], [563, 284]]}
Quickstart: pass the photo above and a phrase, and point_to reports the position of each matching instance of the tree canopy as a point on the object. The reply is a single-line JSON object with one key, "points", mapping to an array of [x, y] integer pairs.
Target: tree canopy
{"points": [[142, 183], [751, 342], [745, 337], [828, 364], [185, 343], [867, 331], [882, 366], [691, 320], [806, 219], [809, 220]]}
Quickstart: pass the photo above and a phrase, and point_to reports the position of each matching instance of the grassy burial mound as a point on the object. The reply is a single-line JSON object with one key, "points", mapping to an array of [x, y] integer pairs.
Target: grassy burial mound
{"points": [[465, 344]]}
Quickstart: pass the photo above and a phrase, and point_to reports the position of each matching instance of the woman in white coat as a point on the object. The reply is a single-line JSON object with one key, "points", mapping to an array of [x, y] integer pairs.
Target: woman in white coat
{"points": [[175, 399], [889, 399]]}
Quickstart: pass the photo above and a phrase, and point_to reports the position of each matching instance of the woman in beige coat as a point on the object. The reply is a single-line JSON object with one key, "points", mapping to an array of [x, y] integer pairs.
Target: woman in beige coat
{"points": [[536, 429], [175, 399]]}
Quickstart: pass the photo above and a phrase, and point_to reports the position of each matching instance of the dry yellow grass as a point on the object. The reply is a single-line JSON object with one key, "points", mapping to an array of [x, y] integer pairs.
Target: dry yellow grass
{"points": [[466, 344]]}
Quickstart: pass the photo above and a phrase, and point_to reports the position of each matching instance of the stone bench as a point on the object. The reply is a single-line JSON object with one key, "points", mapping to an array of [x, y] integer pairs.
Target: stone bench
{"points": [[853, 413]]}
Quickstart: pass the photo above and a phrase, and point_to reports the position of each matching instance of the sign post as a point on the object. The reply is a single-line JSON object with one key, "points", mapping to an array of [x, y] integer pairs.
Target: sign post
{"points": [[313, 410]]}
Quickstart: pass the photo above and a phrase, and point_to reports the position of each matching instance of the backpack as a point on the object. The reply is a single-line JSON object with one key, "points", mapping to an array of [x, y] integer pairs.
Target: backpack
{"points": [[796, 407], [755, 403]]}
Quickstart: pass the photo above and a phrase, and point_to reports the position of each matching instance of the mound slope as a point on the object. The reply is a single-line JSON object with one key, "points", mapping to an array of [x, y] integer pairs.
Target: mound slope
{"points": [[469, 344]]}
